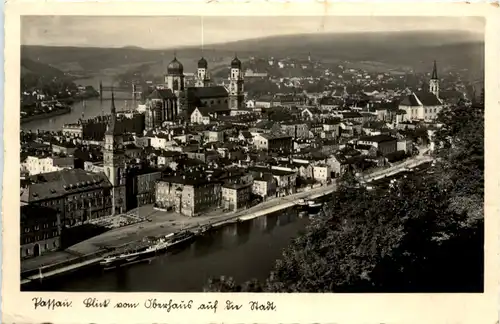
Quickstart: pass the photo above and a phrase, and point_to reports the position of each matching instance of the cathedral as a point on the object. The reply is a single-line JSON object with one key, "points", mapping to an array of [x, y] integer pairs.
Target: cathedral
{"points": [[173, 100], [423, 105]]}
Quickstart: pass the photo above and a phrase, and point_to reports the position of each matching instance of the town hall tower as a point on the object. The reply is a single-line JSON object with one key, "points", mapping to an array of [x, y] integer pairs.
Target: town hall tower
{"points": [[114, 162]]}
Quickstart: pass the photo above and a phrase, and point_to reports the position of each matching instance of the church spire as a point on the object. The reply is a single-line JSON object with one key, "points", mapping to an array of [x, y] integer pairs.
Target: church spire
{"points": [[434, 72], [112, 119], [434, 82]]}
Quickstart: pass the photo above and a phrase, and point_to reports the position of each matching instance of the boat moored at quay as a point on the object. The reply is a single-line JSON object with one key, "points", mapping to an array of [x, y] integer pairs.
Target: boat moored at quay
{"points": [[149, 247]]}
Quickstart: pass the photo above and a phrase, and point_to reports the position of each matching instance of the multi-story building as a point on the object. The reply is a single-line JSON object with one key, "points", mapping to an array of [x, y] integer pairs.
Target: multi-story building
{"points": [[67, 148], [141, 186], [296, 130], [43, 164], [76, 195], [264, 185], [188, 195], [286, 179], [273, 142], [213, 136], [405, 144], [322, 173], [352, 116], [73, 130], [40, 230], [167, 157], [204, 115], [236, 195], [386, 144], [332, 127]]}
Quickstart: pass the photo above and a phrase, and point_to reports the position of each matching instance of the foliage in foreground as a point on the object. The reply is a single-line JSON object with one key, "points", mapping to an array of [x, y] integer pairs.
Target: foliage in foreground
{"points": [[423, 235]]}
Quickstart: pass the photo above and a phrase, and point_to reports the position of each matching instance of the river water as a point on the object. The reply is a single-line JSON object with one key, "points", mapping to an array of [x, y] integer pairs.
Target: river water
{"points": [[243, 251], [93, 107]]}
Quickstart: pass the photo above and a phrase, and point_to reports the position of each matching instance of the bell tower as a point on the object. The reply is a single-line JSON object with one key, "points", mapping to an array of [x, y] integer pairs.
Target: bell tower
{"points": [[114, 162], [236, 95], [202, 77], [434, 82], [175, 76]]}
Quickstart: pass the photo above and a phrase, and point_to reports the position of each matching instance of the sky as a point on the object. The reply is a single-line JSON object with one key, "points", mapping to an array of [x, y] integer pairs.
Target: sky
{"points": [[174, 32]]}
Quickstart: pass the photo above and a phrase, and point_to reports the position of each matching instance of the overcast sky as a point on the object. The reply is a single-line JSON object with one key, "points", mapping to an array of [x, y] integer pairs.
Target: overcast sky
{"points": [[170, 32]]}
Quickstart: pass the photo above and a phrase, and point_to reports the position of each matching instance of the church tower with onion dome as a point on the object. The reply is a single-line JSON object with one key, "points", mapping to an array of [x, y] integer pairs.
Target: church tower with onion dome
{"points": [[175, 77], [236, 95], [114, 162], [202, 77]]}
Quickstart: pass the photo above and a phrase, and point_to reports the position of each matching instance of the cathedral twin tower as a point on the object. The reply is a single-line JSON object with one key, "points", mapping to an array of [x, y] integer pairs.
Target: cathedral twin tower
{"points": [[174, 80]]}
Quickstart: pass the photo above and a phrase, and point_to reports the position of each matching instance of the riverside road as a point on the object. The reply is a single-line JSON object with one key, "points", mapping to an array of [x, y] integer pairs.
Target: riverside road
{"points": [[242, 250]]}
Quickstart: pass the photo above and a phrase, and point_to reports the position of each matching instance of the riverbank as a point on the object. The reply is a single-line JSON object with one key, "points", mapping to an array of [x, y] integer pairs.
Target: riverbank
{"points": [[58, 112], [91, 252]]}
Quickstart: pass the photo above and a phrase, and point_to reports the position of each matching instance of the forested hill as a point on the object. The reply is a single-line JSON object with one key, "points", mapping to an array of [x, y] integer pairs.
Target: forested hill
{"points": [[409, 49], [29, 66]]}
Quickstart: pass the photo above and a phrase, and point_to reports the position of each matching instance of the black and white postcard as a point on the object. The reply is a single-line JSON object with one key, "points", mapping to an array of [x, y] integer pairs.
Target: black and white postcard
{"points": [[250, 163]]}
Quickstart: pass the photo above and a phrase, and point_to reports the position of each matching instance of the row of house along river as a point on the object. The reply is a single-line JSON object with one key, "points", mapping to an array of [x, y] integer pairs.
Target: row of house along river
{"points": [[243, 250]]}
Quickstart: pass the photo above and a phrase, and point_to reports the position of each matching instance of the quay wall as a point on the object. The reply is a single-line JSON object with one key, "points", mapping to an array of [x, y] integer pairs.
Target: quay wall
{"points": [[62, 111], [71, 265]]}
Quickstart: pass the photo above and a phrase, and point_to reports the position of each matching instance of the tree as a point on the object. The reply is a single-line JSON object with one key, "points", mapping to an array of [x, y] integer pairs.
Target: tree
{"points": [[460, 149], [424, 234], [227, 284]]}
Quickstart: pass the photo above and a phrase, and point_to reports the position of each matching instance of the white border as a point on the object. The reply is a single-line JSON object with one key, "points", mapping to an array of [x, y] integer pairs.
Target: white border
{"points": [[292, 308]]}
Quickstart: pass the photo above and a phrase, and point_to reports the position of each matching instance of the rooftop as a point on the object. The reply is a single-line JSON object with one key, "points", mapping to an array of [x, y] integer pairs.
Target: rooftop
{"points": [[59, 183], [377, 138], [237, 186], [264, 169], [206, 92]]}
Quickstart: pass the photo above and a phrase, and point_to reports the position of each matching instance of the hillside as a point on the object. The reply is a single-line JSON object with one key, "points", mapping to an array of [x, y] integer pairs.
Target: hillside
{"points": [[412, 49], [29, 66], [396, 49]]}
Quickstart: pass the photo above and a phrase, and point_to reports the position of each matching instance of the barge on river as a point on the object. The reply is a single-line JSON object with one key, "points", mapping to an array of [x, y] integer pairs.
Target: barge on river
{"points": [[149, 247]]}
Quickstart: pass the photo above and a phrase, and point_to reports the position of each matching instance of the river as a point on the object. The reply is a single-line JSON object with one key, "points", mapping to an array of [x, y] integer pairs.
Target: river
{"points": [[93, 107], [243, 251]]}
